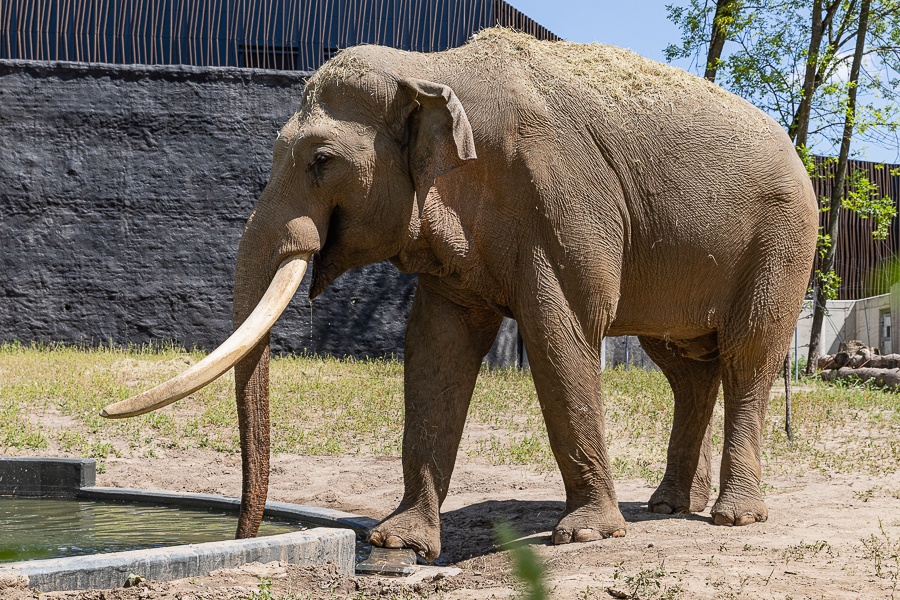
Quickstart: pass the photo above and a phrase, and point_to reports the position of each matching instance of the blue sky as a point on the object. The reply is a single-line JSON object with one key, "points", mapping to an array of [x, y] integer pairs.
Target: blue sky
{"points": [[640, 25]]}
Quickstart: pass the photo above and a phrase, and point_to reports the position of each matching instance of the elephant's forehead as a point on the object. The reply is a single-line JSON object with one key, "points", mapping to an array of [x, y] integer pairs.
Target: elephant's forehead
{"points": [[317, 122], [303, 121]]}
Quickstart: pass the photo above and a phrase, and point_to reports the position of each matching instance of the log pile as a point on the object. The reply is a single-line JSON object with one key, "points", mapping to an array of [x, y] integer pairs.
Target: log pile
{"points": [[854, 360]]}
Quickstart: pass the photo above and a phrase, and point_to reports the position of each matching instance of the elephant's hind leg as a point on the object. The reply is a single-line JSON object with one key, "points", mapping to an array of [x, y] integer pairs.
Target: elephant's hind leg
{"points": [[686, 485], [751, 356], [746, 382]]}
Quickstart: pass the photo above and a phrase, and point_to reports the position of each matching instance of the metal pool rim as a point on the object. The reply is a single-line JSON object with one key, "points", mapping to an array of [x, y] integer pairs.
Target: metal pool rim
{"points": [[334, 540]]}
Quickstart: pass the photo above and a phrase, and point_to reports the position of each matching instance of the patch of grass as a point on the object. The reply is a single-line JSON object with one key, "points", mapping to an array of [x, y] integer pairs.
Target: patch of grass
{"points": [[803, 550], [526, 450], [836, 430], [884, 552], [866, 495], [16, 432], [263, 593], [646, 583], [50, 397]]}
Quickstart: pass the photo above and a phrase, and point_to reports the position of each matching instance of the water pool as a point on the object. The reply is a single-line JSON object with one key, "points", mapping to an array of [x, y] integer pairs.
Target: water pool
{"points": [[38, 528]]}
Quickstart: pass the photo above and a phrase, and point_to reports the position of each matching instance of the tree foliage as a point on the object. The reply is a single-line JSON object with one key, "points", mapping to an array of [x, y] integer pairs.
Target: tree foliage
{"points": [[769, 50], [864, 199]]}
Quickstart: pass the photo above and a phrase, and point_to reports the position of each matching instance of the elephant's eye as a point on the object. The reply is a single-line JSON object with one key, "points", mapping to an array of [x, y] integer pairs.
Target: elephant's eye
{"points": [[318, 164], [319, 159]]}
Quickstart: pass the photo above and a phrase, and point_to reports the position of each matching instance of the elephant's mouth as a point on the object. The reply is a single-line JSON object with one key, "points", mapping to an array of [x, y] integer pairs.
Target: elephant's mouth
{"points": [[324, 272], [329, 262], [276, 298]]}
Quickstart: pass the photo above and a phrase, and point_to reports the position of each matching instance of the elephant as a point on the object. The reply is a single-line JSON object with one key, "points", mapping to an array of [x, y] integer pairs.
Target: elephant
{"points": [[584, 191]]}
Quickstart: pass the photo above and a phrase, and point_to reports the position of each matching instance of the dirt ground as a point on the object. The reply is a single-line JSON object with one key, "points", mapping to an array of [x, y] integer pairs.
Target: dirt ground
{"points": [[825, 538]]}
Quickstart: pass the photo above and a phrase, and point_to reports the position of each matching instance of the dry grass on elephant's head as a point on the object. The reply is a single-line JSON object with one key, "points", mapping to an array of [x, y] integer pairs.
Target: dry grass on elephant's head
{"points": [[616, 73], [343, 66]]}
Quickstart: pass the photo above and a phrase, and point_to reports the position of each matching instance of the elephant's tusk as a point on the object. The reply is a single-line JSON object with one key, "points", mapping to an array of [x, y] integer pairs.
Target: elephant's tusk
{"points": [[279, 293]]}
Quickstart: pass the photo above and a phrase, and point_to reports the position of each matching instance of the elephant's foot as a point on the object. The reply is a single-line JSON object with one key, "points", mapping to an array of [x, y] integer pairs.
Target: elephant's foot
{"points": [[589, 523], [408, 530], [670, 499], [735, 509]]}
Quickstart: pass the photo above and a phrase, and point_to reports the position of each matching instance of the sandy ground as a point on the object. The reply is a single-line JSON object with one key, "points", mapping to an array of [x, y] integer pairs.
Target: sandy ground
{"points": [[811, 547]]}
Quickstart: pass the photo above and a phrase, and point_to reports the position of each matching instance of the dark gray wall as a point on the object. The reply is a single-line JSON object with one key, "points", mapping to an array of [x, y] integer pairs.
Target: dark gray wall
{"points": [[123, 194]]}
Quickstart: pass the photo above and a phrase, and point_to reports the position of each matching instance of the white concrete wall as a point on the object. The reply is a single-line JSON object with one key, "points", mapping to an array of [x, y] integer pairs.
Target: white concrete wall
{"points": [[868, 312], [847, 320]]}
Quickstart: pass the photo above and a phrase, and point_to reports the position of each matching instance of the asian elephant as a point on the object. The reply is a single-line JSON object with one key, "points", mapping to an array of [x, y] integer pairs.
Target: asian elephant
{"points": [[581, 189]]}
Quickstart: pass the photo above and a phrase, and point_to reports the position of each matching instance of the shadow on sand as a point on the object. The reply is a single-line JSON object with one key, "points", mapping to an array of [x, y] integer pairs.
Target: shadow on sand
{"points": [[468, 532]]}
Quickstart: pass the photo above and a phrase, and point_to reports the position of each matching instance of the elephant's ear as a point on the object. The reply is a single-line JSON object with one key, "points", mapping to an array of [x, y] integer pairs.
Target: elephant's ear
{"points": [[438, 132]]}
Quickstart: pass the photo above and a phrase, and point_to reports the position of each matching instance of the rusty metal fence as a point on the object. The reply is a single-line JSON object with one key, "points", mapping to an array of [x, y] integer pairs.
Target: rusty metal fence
{"points": [[274, 34]]}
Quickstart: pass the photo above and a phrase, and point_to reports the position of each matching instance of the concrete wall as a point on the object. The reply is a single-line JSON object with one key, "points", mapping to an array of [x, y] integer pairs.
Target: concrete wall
{"points": [[848, 320], [123, 194], [868, 314]]}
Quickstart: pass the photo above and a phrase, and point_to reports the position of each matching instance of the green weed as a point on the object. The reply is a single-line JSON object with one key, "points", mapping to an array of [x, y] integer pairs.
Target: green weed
{"points": [[884, 552], [647, 583], [801, 551], [526, 566]]}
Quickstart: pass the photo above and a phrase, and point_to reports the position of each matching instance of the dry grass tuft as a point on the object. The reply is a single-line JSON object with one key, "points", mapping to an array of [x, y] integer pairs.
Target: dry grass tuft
{"points": [[343, 66]]}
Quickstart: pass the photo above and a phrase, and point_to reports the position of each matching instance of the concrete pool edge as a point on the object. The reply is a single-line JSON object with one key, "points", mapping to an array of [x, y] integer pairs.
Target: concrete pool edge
{"points": [[334, 541], [103, 571], [29, 477]]}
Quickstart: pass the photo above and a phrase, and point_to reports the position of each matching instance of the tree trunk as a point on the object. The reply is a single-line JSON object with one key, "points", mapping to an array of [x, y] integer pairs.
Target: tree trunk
{"points": [[799, 128], [723, 18], [837, 191]]}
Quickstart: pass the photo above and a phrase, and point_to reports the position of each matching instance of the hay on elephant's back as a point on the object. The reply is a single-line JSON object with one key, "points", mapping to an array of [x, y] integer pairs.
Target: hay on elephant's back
{"points": [[619, 76]]}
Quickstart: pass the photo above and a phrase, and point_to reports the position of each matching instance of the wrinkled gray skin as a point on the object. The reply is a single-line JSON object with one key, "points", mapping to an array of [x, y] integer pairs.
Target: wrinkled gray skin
{"points": [[583, 191]]}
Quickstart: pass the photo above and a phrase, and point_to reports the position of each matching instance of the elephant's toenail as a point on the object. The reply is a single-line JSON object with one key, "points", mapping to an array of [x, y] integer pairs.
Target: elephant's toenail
{"points": [[562, 536], [587, 535], [722, 520]]}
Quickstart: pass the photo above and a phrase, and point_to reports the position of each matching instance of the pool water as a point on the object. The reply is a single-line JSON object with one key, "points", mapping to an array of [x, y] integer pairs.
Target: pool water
{"points": [[37, 528]]}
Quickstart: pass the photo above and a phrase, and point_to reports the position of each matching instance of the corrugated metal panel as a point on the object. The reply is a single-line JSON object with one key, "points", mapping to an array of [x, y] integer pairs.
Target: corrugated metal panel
{"points": [[274, 34], [859, 256], [506, 15]]}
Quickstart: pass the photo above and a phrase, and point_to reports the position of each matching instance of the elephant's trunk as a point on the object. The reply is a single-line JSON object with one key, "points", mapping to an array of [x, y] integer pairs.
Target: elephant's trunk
{"points": [[251, 381], [273, 232], [275, 236]]}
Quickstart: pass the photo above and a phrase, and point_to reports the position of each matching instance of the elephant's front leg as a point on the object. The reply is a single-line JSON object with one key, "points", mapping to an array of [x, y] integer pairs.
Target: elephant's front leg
{"points": [[445, 344], [566, 371]]}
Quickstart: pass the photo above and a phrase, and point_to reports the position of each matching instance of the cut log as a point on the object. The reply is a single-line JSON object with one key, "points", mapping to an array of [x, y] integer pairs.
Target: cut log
{"points": [[887, 378], [826, 362]]}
